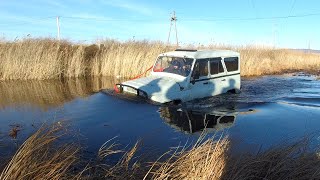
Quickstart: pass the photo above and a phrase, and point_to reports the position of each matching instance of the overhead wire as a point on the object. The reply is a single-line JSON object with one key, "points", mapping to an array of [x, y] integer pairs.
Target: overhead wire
{"points": [[184, 19], [201, 19], [207, 19], [251, 19]]}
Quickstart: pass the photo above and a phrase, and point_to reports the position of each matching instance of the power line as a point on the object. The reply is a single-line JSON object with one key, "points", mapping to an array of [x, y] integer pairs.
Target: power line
{"points": [[212, 19], [203, 19], [289, 14], [252, 19], [209, 19]]}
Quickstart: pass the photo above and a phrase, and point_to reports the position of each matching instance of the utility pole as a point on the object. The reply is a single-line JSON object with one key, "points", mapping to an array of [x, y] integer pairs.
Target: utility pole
{"points": [[58, 28], [173, 19]]}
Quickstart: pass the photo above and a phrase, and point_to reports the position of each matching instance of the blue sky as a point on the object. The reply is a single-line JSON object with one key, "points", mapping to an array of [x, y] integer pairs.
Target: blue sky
{"points": [[235, 22]]}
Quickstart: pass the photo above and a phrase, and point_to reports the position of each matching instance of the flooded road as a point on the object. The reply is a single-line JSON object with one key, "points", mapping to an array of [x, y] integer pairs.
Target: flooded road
{"points": [[268, 111]]}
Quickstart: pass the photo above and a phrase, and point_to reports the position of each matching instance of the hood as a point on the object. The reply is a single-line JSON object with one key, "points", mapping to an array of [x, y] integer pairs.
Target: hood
{"points": [[152, 85]]}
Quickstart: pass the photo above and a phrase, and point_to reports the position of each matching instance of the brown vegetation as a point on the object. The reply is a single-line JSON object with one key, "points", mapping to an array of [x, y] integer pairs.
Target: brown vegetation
{"points": [[286, 161], [41, 156], [205, 160], [50, 59], [14, 131]]}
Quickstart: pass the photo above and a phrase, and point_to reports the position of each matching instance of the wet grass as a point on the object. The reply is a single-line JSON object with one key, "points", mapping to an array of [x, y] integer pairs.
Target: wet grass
{"points": [[39, 157], [205, 160], [44, 156], [51, 59], [290, 161]]}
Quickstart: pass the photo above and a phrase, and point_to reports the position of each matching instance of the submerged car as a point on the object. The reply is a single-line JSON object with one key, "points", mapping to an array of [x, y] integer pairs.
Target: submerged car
{"points": [[184, 75]]}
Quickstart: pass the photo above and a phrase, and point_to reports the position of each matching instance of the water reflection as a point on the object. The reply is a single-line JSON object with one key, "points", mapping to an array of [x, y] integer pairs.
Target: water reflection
{"points": [[49, 93], [191, 121]]}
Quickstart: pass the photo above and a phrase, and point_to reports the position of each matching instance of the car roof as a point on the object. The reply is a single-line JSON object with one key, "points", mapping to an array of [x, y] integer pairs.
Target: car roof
{"points": [[199, 54]]}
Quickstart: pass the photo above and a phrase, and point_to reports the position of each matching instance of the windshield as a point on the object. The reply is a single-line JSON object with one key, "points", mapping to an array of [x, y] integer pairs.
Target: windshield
{"points": [[175, 65]]}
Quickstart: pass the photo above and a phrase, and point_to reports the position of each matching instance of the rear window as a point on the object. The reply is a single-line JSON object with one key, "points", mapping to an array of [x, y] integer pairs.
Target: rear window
{"points": [[232, 63], [216, 66]]}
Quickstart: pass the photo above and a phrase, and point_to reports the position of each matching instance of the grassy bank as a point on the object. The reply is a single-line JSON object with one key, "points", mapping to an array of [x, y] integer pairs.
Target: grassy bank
{"points": [[41, 156], [50, 59]]}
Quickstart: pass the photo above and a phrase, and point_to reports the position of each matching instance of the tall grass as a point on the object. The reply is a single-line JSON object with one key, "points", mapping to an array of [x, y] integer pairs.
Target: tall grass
{"points": [[50, 59], [43, 156], [39, 157], [205, 160], [263, 61], [289, 161]]}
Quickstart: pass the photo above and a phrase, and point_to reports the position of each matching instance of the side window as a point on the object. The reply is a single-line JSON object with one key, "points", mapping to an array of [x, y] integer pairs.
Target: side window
{"points": [[232, 63], [216, 66], [200, 68]]}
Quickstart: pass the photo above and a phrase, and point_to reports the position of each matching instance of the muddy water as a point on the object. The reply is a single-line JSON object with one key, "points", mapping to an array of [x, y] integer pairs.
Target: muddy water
{"points": [[268, 111]]}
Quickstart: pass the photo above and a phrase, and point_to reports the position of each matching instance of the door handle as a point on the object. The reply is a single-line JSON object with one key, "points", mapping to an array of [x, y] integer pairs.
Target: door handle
{"points": [[206, 83], [223, 80]]}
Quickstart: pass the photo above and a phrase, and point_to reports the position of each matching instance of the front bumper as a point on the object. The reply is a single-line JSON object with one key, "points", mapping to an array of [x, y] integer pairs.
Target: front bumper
{"points": [[125, 89]]}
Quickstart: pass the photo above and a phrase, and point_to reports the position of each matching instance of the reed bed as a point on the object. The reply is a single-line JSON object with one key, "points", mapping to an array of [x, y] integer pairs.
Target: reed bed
{"points": [[205, 160], [39, 157], [44, 156], [212, 160], [51, 59], [286, 161]]}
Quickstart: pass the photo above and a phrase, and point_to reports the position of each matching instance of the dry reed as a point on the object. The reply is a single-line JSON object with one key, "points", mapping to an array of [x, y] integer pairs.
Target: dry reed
{"points": [[50, 59], [286, 161], [205, 160], [39, 157], [212, 160], [125, 168]]}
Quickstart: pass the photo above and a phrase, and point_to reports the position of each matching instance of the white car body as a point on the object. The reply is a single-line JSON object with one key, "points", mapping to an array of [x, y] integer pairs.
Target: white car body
{"points": [[163, 87]]}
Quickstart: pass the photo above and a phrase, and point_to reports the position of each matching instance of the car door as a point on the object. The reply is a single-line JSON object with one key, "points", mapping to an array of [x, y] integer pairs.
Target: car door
{"points": [[200, 86], [217, 74]]}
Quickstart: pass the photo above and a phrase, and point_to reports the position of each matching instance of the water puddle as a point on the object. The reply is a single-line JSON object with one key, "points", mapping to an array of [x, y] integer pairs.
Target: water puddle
{"points": [[269, 110]]}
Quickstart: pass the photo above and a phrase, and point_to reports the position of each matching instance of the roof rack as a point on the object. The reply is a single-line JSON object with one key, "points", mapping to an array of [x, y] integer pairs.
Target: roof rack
{"points": [[189, 50]]}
